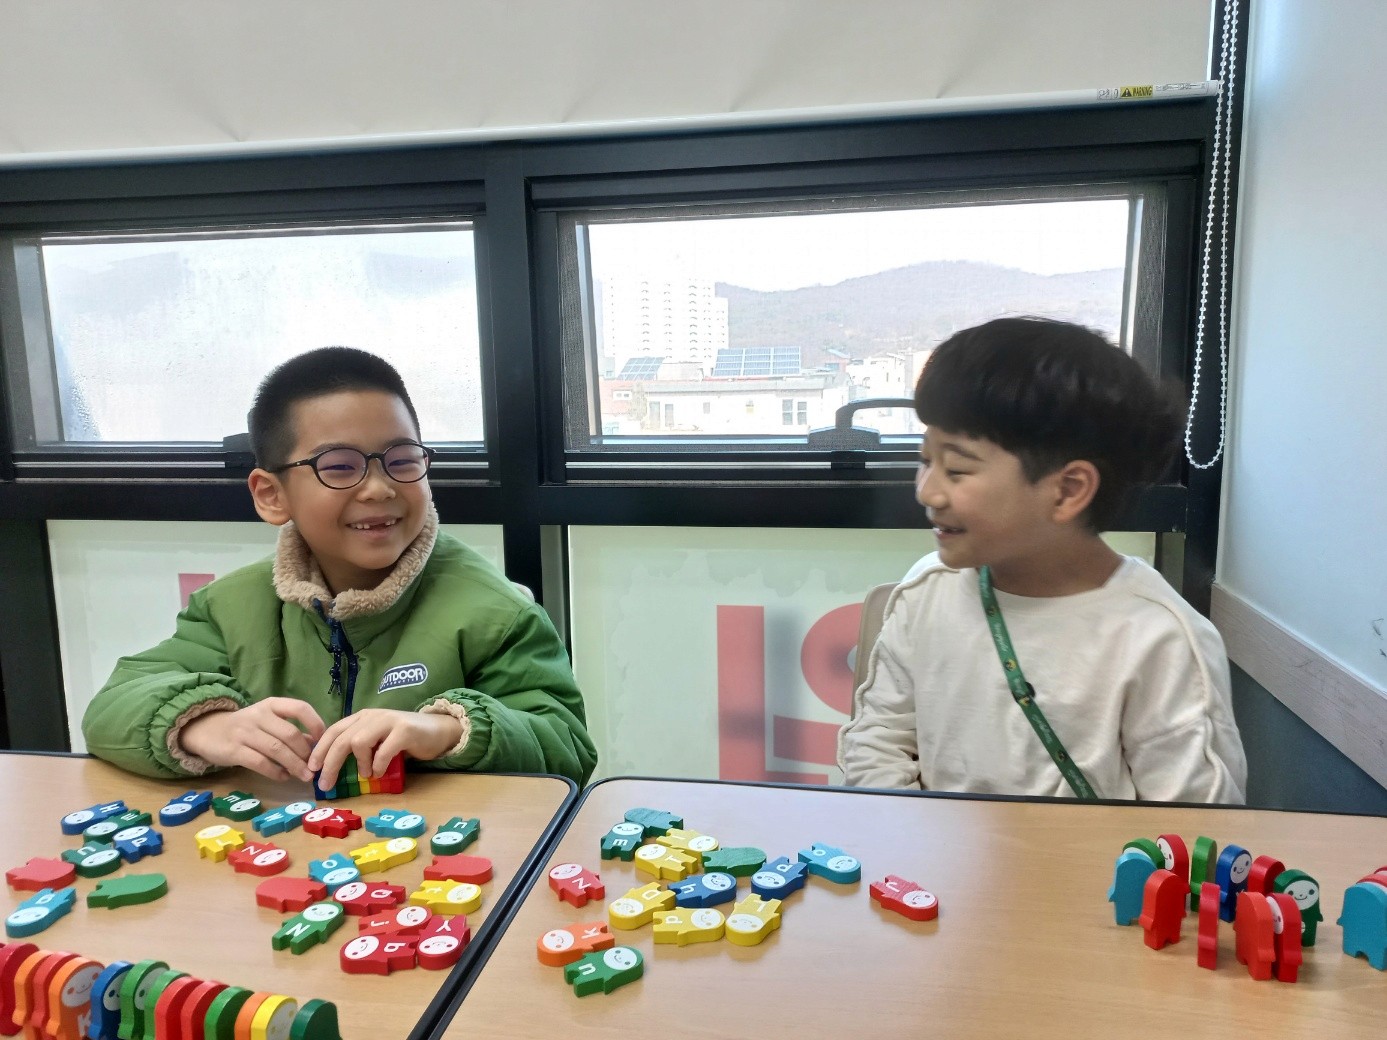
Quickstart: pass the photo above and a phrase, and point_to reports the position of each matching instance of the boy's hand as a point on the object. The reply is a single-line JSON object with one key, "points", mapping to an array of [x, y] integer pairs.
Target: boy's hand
{"points": [[376, 735], [261, 737]]}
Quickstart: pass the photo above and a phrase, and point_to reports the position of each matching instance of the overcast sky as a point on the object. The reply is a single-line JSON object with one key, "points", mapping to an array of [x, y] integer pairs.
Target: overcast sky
{"points": [[788, 252]]}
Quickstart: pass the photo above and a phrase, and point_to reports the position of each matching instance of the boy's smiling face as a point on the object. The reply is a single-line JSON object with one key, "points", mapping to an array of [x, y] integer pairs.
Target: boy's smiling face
{"points": [[983, 509], [358, 534]]}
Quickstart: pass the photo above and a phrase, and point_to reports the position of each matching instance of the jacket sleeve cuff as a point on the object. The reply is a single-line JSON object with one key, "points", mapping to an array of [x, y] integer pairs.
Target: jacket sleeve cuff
{"points": [[192, 763], [443, 706]]}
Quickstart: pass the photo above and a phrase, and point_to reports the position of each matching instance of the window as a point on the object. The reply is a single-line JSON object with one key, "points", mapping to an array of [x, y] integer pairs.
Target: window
{"points": [[160, 337], [821, 303]]}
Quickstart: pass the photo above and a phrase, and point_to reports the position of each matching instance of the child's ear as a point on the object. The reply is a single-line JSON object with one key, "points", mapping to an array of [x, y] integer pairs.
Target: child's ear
{"points": [[1075, 485], [267, 492]]}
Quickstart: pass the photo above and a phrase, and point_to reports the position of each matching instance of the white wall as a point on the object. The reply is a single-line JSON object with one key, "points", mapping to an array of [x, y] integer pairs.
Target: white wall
{"points": [[1305, 486], [91, 77]]}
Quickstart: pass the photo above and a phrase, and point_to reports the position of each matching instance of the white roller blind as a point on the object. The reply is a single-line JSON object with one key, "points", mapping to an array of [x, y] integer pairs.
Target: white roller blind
{"points": [[100, 79]]}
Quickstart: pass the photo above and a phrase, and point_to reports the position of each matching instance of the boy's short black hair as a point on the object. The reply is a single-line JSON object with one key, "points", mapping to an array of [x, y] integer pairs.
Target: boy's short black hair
{"points": [[327, 370], [1051, 392]]}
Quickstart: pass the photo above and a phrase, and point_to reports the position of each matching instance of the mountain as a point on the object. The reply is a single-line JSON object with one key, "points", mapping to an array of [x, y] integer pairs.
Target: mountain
{"points": [[914, 307]]}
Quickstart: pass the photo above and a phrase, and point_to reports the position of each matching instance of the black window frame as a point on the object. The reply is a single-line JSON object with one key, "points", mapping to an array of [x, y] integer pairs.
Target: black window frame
{"points": [[513, 191]]}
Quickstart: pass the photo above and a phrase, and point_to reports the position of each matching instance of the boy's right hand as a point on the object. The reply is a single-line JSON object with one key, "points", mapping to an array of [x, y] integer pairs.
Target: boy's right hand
{"points": [[261, 737]]}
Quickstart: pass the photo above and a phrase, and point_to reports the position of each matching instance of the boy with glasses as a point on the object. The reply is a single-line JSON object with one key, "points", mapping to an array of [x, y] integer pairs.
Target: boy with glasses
{"points": [[369, 632], [1026, 656]]}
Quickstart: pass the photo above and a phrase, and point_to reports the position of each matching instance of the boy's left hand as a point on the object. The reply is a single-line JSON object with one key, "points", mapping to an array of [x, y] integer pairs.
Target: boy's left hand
{"points": [[376, 735]]}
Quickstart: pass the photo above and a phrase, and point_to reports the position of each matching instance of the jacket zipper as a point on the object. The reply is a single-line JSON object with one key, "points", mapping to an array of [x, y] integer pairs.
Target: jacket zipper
{"points": [[340, 647]]}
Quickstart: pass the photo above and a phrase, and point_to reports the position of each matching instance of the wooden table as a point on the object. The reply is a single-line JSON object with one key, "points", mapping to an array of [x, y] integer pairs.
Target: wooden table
{"points": [[1025, 943], [209, 924]]}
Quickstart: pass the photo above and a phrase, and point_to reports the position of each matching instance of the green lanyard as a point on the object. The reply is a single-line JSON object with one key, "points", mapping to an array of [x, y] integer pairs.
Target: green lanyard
{"points": [[1023, 693]]}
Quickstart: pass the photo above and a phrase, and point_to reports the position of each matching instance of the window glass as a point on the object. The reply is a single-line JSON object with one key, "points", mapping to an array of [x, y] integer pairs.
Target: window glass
{"points": [[724, 328], [163, 337], [728, 653]]}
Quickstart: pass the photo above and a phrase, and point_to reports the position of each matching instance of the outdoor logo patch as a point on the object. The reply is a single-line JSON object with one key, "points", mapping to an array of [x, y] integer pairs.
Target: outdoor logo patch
{"points": [[403, 675]]}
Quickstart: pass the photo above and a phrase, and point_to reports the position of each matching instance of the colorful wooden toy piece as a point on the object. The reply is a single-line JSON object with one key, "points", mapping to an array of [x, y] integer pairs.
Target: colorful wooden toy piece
{"points": [[1305, 890], [1230, 874], [382, 855], [216, 841], [77, 822], [93, 860], [327, 821], [639, 906], [1209, 898], [1175, 857], [134, 989], [316, 1020], [39, 911], [705, 890], [454, 836], [219, 1017], [560, 946], [692, 842], [905, 897], [448, 897], [268, 1018], [21, 993], [605, 971], [684, 926], [40, 873], [335, 871], [779, 878], [653, 821], [1262, 874], [105, 1002], [31, 1007], [751, 920], [185, 808], [441, 942], [158, 986], [135, 843], [359, 898], [473, 869], [665, 863], [70, 999], [1364, 921], [739, 862], [1149, 847], [236, 806], [351, 783], [309, 927], [192, 1017], [378, 955], [129, 890], [12, 956], [404, 920], [261, 858], [575, 884], [289, 894], [832, 864], [1163, 908], [1202, 861], [104, 831], [285, 818], [1255, 929], [1289, 954], [1130, 872], [169, 1006], [395, 823], [622, 840]]}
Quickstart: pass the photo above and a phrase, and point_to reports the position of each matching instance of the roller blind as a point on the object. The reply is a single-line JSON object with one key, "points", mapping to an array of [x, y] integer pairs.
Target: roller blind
{"points": [[90, 79]]}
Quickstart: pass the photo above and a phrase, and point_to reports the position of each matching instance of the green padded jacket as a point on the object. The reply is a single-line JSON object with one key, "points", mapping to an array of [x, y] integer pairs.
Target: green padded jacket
{"points": [[446, 633]]}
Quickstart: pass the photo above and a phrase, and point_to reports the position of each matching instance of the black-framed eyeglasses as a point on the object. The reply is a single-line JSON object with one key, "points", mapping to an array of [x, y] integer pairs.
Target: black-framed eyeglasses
{"points": [[344, 468]]}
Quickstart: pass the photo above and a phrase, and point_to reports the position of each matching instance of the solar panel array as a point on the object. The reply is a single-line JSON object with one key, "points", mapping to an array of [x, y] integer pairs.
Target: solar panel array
{"points": [[641, 368], [758, 361]]}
